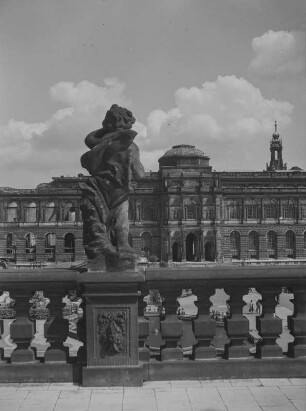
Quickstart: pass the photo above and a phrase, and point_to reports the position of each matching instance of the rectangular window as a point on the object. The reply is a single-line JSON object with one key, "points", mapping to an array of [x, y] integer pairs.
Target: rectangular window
{"points": [[288, 211], [270, 211], [234, 212], [251, 211]]}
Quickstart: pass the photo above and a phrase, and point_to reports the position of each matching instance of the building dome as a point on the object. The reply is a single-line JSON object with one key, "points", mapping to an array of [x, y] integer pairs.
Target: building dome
{"points": [[184, 156], [184, 150]]}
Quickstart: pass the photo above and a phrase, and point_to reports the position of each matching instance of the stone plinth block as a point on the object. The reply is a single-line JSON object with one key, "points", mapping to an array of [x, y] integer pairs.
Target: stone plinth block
{"points": [[269, 329], [111, 300], [204, 330]]}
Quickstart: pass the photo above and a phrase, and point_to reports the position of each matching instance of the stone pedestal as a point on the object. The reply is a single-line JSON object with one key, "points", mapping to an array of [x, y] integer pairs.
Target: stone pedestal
{"points": [[111, 300]]}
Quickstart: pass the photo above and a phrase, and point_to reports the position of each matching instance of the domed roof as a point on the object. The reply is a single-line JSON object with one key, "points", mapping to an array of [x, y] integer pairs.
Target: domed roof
{"points": [[184, 150]]}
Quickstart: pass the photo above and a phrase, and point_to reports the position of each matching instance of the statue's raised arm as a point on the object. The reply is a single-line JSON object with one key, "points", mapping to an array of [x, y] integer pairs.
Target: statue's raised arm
{"points": [[112, 159]]}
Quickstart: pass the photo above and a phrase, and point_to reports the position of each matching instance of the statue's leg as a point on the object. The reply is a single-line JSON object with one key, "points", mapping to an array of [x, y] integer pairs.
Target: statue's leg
{"points": [[95, 237]]}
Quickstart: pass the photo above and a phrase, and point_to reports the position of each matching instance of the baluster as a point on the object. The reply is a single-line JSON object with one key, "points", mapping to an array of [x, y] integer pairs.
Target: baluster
{"points": [[7, 315], [143, 332], [81, 332], [56, 330], [186, 315], [237, 326], [269, 327], [297, 322], [171, 326], [153, 312], [22, 329], [204, 325], [188, 339]]}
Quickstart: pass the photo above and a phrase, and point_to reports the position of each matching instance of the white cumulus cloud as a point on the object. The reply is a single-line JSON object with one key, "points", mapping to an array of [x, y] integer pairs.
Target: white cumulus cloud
{"points": [[227, 109], [278, 53], [225, 118], [53, 146]]}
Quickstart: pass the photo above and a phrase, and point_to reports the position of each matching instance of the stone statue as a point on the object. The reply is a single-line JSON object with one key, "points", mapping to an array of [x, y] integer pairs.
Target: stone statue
{"points": [[112, 160]]}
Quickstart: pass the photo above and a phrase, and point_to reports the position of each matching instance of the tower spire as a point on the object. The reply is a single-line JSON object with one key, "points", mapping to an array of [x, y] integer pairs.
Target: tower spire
{"points": [[276, 149], [275, 135]]}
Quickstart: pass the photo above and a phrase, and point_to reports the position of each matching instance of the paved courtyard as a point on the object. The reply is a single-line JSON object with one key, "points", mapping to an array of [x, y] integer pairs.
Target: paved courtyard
{"points": [[268, 394]]}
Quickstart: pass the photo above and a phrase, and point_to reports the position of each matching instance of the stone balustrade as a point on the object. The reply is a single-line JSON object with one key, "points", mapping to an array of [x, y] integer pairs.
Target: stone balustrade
{"points": [[124, 328]]}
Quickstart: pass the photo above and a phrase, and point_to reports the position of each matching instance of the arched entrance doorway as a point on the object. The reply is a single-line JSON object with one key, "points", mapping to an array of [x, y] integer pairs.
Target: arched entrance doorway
{"points": [[209, 252], [191, 247], [176, 252]]}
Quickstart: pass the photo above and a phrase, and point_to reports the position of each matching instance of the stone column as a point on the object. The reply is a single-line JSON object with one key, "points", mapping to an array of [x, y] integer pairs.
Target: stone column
{"points": [[183, 245], [202, 250], [168, 246], [112, 328]]}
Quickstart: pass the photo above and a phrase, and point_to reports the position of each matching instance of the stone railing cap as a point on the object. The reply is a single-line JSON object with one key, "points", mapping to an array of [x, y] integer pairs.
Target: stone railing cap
{"points": [[111, 277], [227, 273]]}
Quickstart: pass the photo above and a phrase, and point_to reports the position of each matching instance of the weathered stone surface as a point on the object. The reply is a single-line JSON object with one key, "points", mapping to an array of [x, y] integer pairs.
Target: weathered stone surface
{"points": [[112, 159]]}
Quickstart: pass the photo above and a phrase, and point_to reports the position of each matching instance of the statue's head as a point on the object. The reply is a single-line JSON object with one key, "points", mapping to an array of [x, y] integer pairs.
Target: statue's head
{"points": [[118, 117]]}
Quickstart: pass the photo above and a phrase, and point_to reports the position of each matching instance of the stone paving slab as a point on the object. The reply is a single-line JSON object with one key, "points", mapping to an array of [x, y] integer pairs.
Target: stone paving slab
{"points": [[207, 398], [270, 394], [239, 398]]}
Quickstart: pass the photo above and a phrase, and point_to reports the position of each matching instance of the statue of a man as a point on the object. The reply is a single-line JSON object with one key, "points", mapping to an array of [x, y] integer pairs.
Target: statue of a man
{"points": [[112, 160]]}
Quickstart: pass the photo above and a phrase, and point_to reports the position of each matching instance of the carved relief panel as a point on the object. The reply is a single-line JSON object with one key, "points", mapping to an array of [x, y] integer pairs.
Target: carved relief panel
{"points": [[112, 332]]}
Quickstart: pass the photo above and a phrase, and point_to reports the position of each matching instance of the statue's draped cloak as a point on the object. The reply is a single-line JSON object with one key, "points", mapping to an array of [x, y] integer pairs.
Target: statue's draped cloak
{"points": [[108, 163]]}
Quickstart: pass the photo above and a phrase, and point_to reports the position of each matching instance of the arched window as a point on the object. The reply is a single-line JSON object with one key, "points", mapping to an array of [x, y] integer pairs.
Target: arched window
{"points": [[272, 244], [30, 239], [69, 245], [12, 213], [11, 243], [290, 244], [147, 212], [69, 212], [235, 244], [31, 213], [49, 213], [270, 209], [146, 243], [50, 242], [234, 210], [251, 210], [289, 209], [191, 247], [254, 244], [176, 252]]}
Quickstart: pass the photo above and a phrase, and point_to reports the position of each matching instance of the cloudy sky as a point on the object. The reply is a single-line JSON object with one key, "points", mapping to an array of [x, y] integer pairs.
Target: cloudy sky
{"points": [[212, 73]]}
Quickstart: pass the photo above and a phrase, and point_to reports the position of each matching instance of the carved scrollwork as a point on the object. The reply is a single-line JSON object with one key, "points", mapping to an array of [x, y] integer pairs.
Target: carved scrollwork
{"points": [[112, 332]]}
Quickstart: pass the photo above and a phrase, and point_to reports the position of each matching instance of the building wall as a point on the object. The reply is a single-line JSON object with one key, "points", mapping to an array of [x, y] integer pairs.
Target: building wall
{"points": [[184, 213]]}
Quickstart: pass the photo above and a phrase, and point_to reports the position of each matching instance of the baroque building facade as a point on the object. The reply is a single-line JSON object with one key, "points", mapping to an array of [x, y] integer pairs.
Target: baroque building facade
{"points": [[183, 212]]}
